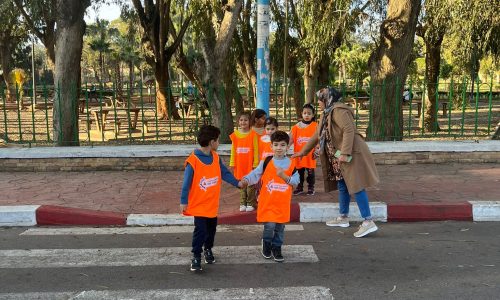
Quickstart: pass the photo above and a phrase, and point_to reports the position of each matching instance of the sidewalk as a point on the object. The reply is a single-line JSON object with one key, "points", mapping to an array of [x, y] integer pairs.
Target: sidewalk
{"points": [[412, 192]]}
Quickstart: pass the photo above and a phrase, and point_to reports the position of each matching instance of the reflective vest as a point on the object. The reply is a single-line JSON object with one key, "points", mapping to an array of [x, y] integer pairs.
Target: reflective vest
{"points": [[300, 138], [243, 154], [203, 199], [265, 147], [275, 196]]}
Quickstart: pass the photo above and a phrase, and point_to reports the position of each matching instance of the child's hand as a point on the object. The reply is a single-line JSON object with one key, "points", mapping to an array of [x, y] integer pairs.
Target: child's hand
{"points": [[243, 183], [281, 173], [297, 154], [183, 208]]}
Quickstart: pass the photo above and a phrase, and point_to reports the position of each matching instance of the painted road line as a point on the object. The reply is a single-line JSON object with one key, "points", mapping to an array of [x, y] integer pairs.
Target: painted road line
{"points": [[113, 257], [146, 230], [299, 293], [158, 219], [18, 215], [322, 212], [485, 210]]}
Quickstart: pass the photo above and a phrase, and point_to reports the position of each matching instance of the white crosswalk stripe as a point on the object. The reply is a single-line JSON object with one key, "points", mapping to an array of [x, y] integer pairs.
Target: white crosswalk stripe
{"points": [[298, 293], [65, 258], [146, 230]]}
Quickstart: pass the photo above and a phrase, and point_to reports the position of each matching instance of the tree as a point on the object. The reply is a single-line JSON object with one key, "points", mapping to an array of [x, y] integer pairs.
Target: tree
{"points": [[388, 68], [40, 18], [435, 22], [155, 20], [215, 25], [69, 41], [99, 33]]}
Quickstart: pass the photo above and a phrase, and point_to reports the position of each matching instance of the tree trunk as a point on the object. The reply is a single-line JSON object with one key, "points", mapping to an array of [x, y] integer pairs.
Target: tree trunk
{"points": [[131, 77], [295, 82], [119, 82], [389, 67], [428, 118], [310, 79], [165, 104], [324, 72], [70, 30], [6, 61]]}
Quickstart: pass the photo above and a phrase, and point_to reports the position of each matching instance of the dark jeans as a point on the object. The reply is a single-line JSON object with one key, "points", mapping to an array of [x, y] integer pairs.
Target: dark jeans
{"points": [[311, 180], [274, 233], [203, 234]]}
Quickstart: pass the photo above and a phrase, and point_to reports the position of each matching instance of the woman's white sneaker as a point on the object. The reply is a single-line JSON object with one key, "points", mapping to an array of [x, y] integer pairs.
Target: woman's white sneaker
{"points": [[338, 222], [365, 228]]}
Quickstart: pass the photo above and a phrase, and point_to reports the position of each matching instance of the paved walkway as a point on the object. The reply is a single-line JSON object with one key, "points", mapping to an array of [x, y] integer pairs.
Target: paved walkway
{"points": [[158, 192]]}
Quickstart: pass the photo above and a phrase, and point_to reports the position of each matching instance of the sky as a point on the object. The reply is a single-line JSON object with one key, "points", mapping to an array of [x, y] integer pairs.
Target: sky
{"points": [[107, 12]]}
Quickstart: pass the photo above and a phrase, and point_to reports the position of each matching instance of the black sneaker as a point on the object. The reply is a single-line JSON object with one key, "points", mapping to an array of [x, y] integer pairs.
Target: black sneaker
{"points": [[298, 191], [277, 254], [196, 264], [209, 256], [266, 250], [310, 192]]}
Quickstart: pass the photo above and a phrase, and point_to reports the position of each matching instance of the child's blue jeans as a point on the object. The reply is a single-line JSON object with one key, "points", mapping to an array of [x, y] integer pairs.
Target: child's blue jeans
{"points": [[274, 233], [361, 199]]}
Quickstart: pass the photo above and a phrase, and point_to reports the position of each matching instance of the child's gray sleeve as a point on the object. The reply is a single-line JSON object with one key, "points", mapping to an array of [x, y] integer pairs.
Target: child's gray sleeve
{"points": [[254, 176], [294, 179]]}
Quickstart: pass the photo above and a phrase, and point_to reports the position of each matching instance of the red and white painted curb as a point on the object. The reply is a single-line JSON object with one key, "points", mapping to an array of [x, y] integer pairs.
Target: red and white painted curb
{"points": [[33, 215]]}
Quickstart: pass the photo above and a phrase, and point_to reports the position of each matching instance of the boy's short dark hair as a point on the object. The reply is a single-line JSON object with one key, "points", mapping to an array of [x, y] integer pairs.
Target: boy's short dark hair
{"points": [[309, 106], [280, 136], [206, 134], [272, 121]]}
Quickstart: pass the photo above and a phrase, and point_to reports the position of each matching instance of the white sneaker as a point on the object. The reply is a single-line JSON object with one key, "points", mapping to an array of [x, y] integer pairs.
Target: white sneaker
{"points": [[250, 208], [338, 222], [243, 208], [365, 228]]}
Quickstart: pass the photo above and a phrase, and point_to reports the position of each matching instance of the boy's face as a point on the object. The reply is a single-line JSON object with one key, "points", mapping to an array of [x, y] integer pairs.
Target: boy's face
{"points": [[214, 144], [270, 129], [307, 114], [279, 148], [244, 122]]}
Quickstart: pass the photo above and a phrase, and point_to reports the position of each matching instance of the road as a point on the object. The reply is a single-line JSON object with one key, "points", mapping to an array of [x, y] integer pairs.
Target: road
{"points": [[434, 260]]}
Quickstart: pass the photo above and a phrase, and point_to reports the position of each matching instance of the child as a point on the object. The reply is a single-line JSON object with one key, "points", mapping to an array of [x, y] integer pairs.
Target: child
{"points": [[271, 125], [244, 157], [257, 121], [278, 177], [300, 135], [201, 190]]}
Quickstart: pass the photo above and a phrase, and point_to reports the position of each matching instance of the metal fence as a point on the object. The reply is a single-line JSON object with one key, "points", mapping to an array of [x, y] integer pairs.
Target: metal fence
{"points": [[106, 115]]}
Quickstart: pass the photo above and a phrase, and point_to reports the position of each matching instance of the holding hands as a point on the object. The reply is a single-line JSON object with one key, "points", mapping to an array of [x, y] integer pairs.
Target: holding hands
{"points": [[243, 183]]}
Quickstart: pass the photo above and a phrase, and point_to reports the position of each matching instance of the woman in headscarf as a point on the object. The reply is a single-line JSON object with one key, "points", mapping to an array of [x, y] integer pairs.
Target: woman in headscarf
{"points": [[346, 161]]}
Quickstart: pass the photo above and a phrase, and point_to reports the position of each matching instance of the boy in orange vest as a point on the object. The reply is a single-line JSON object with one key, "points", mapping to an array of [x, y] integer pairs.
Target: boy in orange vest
{"points": [[278, 177], [200, 193]]}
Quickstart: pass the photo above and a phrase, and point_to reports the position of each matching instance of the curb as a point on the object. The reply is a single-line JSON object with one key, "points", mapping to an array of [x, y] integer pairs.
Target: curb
{"points": [[33, 215]]}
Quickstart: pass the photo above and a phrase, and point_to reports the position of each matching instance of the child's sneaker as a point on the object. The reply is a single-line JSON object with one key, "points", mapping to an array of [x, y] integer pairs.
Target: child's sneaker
{"points": [[298, 191], [266, 250], [196, 264], [310, 192], [277, 254], [250, 208], [365, 228], [243, 208], [209, 256], [338, 222]]}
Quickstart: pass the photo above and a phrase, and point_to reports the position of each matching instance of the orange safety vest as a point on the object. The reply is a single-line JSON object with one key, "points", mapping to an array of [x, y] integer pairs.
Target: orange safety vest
{"points": [[243, 154], [300, 138], [275, 196], [265, 147], [203, 199]]}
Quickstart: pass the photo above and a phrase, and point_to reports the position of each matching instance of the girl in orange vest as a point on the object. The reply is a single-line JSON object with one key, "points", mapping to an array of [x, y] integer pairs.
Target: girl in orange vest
{"points": [[200, 193], [278, 177], [300, 135], [265, 150], [244, 157]]}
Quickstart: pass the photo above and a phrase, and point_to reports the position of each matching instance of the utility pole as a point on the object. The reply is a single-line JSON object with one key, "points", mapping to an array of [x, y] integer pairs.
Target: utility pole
{"points": [[263, 63]]}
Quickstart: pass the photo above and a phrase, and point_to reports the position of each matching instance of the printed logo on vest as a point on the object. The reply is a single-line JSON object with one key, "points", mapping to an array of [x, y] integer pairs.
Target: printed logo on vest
{"points": [[303, 139], [208, 182], [242, 150], [279, 187]]}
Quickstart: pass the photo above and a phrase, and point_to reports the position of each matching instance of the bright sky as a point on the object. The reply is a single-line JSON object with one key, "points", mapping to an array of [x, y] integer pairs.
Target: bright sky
{"points": [[107, 12]]}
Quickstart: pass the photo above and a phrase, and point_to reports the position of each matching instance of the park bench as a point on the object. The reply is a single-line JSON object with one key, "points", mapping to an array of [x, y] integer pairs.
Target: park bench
{"points": [[444, 106]]}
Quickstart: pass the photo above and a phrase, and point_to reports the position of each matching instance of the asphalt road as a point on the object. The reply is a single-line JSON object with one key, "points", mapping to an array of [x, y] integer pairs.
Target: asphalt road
{"points": [[433, 260]]}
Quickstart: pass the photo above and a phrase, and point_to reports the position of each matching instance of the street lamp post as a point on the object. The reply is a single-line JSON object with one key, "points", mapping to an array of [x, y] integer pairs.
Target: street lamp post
{"points": [[263, 63]]}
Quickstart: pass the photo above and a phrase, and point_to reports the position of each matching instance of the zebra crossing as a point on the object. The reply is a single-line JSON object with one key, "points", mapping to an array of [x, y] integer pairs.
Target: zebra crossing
{"points": [[66, 258]]}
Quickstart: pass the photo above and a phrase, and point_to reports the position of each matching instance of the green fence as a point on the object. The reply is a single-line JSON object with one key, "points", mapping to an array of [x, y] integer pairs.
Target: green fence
{"points": [[130, 116]]}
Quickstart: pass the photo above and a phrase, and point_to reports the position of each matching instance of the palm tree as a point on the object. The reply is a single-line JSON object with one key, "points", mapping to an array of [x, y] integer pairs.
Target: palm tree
{"points": [[100, 31]]}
